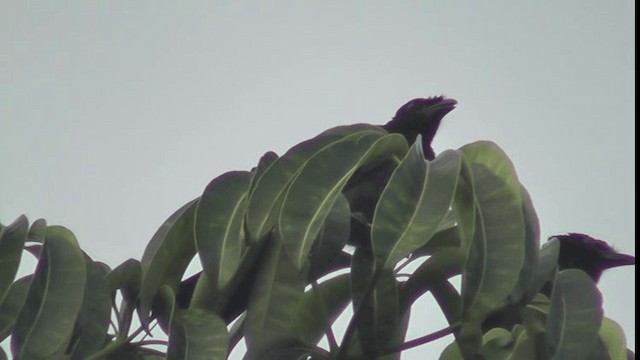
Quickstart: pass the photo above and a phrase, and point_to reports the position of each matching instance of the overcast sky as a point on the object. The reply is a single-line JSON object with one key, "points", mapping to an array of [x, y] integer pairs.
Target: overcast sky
{"points": [[114, 114]]}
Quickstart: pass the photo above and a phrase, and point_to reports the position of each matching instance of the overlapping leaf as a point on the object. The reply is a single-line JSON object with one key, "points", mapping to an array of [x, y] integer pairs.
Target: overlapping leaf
{"points": [[55, 297], [575, 316], [497, 251], [316, 187], [269, 187], [278, 290], [219, 225], [167, 256], [12, 238], [12, 304], [413, 204]]}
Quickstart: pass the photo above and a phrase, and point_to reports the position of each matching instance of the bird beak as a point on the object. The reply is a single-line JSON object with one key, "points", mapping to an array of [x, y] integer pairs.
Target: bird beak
{"points": [[615, 260]]}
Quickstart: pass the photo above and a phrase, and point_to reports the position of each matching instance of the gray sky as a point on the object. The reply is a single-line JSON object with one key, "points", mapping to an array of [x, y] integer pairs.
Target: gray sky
{"points": [[114, 114]]}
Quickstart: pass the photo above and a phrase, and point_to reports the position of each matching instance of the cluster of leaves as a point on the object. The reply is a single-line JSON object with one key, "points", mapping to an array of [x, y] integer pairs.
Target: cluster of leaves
{"points": [[280, 264]]}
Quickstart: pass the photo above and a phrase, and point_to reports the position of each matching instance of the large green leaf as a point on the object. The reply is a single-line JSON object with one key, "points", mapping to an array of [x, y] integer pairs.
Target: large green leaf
{"points": [[319, 183], [126, 277], [331, 239], [194, 334], [413, 204], [268, 187], [497, 251], [55, 298], [575, 316], [219, 225], [37, 231], [12, 240], [547, 265], [612, 336], [13, 302], [90, 333], [375, 303], [167, 256], [320, 307], [278, 290], [531, 249]]}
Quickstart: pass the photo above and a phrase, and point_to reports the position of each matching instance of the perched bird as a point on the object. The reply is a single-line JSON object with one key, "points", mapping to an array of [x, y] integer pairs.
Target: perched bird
{"points": [[421, 116], [577, 251], [416, 117], [593, 256]]}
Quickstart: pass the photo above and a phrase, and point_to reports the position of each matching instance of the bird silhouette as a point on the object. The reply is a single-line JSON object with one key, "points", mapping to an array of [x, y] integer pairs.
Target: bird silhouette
{"points": [[577, 251], [593, 256], [421, 116]]}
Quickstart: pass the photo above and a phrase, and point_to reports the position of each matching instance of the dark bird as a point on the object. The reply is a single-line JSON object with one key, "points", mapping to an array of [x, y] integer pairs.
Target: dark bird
{"points": [[416, 117], [593, 256], [577, 251], [421, 116]]}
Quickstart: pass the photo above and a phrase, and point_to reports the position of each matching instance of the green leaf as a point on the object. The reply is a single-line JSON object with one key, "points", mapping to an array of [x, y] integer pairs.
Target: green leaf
{"points": [[524, 348], [270, 186], [332, 237], [443, 264], [319, 183], [290, 349], [12, 240], [127, 277], [378, 309], [90, 332], [575, 316], [54, 300], [197, 334], [13, 302], [531, 249], [496, 344], [497, 252], [320, 307], [547, 265], [167, 256], [612, 335], [413, 204], [219, 229], [37, 231], [265, 162], [278, 290]]}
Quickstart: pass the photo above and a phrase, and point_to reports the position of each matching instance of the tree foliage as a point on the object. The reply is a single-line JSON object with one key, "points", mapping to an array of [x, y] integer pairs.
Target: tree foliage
{"points": [[280, 262]]}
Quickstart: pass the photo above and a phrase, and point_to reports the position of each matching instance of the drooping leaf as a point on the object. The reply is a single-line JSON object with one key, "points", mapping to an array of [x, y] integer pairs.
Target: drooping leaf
{"points": [[269, 188], [612, 336], [167, 255], [575, 316], [497, 251], [265, 162], [12, 238], [219, 225], [331, 239], [37, 231], [547, 265], [90, 333], [316, 187], [194, 334], [12, 304], [126, 277], [375, 301], [524, 348], [413, 204], [54, 300], [531, 249], [320, 307], [278, 290]]}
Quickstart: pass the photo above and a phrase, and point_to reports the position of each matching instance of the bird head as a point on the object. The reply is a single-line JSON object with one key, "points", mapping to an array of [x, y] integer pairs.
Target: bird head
{"points": [[421, 116], [591, 255]]}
